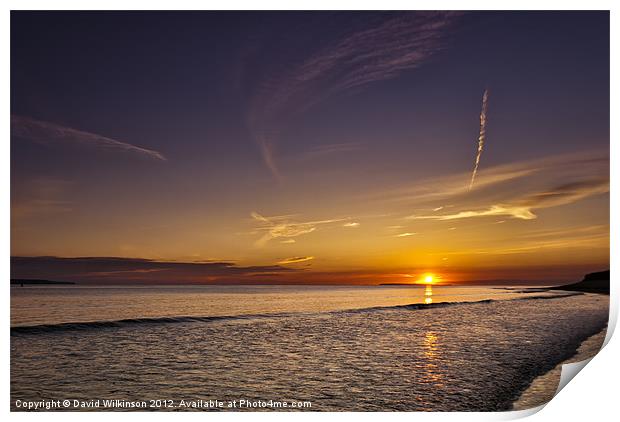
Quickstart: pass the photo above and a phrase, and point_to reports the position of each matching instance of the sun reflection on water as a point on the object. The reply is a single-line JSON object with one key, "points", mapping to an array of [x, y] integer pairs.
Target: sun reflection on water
{"points": [[432, 373], [428, 294], [430, 343]]}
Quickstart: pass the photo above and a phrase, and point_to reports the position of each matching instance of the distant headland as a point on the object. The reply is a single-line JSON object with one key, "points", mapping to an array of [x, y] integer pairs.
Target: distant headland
{"points": [[592, 283], [23, 282]]}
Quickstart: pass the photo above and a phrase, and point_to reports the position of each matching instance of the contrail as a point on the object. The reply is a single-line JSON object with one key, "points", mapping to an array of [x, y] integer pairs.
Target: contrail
{"points": [[46, 132], [481, 136]]}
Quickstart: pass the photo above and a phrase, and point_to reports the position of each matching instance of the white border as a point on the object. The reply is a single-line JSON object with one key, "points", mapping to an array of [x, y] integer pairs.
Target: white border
{"points": [[591, 397]]}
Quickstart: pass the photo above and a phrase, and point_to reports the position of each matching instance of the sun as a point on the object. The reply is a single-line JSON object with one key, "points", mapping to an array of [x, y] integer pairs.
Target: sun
{"points": [[429, 278]]}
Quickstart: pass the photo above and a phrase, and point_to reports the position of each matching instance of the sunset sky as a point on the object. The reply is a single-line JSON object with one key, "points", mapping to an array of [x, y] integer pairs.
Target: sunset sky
{"points": [[319, 147]]}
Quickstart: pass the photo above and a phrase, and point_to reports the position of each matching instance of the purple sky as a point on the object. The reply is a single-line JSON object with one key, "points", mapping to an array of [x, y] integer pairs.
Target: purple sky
{"points": [[309, 147]]}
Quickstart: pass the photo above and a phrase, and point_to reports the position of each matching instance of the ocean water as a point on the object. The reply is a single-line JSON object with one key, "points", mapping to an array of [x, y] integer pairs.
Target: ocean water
{"points": [[410, 348]]}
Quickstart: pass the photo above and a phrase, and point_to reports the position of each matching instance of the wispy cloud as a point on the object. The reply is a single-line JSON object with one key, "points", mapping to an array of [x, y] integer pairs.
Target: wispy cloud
{"points": [[41, 196], [374, 48], [523, 213], [522, 208], [596, 236], [283, 227], [407, 234], [295, 260], [580, 242], [567, 232], [492, 181], [351, 225], [267, 152], [337, 148], [48, 133]]}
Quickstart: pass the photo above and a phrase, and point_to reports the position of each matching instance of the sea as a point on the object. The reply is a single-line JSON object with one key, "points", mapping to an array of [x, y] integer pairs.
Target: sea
{"points": [[294, 348]]}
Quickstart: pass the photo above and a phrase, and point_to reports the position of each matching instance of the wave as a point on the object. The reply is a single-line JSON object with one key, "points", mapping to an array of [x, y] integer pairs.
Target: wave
{"points": [[42, 328], [420, 306], [89, 325]]}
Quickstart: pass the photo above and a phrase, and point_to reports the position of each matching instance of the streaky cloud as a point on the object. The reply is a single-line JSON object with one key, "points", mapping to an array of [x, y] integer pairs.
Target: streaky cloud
{"points": [[266, 149], [41, 196], [295, 260], [450, 189], [481, 135], [282, 227], [523, 213], [596, 236], [371, 50], [407, 234], [522, 208], [49, 133], [337, 148]]}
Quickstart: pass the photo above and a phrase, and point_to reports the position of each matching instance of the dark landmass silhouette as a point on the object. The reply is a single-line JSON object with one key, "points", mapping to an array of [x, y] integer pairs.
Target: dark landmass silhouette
{"points": [[22, 282], [592, 283]]}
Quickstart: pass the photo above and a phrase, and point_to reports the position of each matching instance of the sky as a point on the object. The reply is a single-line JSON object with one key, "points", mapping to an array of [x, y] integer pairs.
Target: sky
{"points": [[309, 147]]}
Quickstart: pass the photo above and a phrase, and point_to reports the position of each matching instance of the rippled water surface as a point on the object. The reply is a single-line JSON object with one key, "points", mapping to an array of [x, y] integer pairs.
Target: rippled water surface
{"points": [[52, 305], [349, 348]]}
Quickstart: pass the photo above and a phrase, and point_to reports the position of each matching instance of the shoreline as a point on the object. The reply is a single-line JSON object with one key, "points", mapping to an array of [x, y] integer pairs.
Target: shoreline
{"points": [[543, 388]]}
